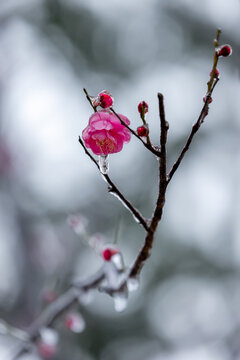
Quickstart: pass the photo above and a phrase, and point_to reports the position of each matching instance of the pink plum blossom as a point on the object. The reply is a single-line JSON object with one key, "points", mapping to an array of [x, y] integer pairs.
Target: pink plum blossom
{"points": [[105, 134]]}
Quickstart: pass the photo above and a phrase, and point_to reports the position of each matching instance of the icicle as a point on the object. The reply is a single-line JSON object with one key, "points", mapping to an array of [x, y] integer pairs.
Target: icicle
{"points": [[103, 164], [117, 260], [111, 274], [132, 284], [120, 301], [49, 336]]}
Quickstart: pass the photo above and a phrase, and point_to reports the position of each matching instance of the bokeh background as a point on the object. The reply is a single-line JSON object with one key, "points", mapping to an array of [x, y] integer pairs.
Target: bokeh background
{"points": [[187, 306]]}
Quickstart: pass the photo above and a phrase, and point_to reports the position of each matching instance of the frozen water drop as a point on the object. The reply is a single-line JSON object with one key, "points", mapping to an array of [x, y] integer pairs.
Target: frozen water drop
{"points": [[86, 297], [111, 274], [120, 301], [75, 322], [103, 164], [49, 336], [117, 260], [132, 284]]}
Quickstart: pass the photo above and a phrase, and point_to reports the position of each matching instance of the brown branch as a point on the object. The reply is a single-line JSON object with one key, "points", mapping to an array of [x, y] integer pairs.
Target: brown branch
{"points": [[195, 128], [147, 145], [55, 310], [157, 215], [115, 191], [215, 61]]}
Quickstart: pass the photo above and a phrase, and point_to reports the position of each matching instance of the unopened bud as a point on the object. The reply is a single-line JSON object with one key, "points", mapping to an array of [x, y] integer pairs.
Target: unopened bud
{"points": [[224, 50]]}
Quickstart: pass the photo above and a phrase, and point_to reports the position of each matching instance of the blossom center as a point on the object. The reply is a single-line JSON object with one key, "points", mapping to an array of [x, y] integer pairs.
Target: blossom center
{"points": [[105, 145]]}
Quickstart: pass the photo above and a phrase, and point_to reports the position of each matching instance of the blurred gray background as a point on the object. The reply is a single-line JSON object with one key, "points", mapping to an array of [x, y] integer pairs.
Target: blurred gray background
{"points": [[187, 306]]}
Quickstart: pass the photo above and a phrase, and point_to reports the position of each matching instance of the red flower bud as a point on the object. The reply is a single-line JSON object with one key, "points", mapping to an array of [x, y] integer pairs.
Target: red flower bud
{"points": [[205, 98], [105, 100], [143, 105], [108, 253], [142, 131], [224, 50], [50, 296], [47, 351], [216, 73]]}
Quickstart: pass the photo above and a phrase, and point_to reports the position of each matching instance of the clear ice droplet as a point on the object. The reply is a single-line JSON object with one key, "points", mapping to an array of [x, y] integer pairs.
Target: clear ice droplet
{"points": [[117, 260], [49, 336], [120, 301], [86, 297], [132, 284], [103, 164]]}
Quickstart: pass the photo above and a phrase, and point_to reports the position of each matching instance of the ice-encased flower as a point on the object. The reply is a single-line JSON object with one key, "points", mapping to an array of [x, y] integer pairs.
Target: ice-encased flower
{"points": [[105, 134]]}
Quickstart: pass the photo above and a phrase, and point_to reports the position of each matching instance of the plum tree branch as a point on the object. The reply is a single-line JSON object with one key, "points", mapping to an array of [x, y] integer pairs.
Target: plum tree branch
{"points": [[113, 189], [55, 310], [195, 128], [147, 145]]}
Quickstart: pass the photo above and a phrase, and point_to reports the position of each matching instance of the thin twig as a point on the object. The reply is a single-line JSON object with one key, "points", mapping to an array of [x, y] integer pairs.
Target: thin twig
{"points": [[113, 189], [147, 145], [194, 130], [163, 140], [89, 99], [215, 60], [88, 153]]}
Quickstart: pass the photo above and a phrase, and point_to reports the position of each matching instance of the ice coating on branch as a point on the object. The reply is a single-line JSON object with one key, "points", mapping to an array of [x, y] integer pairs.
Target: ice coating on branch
{"points": [[103, 99], [123, 203], [105, 134]]}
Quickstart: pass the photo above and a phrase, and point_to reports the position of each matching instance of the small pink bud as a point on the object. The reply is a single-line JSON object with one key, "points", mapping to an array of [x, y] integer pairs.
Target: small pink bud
{"points": [[46, 351], [47, 343], [108, 253], [216, 73], [142, 131], [143, 106], [75, 322], [105, 99], [224, 50], [78, 222], [205, 98], [50, 296]]}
